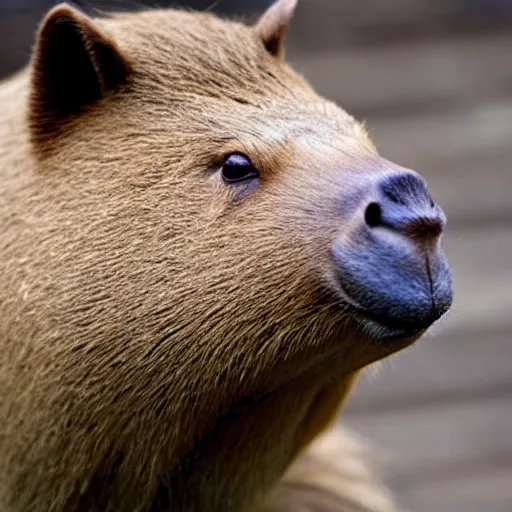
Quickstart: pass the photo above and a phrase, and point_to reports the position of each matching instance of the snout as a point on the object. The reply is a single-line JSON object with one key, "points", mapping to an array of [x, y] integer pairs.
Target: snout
{"points": [[391, 268]]}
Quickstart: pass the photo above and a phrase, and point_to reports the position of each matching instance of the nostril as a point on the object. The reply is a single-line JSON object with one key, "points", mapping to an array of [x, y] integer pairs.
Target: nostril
{"points": [[403, 205], [373, 215]]}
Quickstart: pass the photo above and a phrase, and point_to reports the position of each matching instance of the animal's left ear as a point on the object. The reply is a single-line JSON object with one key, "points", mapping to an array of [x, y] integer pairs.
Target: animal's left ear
{"points": [[74, 64], [273, 25]]}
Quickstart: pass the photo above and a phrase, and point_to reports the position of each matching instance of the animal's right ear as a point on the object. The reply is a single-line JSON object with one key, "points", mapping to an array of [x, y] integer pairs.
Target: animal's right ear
{"points": [[273, 25], [74, 65]]}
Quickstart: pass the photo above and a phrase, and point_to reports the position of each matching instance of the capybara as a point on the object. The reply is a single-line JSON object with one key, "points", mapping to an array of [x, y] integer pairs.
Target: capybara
{"points": [[198, 256]]}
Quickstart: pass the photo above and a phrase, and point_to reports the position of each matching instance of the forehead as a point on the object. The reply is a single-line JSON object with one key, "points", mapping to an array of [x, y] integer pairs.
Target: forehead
{"points": [[192, 49], [199, 54], [221, 69]]}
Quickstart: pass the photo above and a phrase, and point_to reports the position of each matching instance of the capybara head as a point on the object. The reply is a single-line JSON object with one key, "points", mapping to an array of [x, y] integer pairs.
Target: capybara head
{"points": [[200, 228]]}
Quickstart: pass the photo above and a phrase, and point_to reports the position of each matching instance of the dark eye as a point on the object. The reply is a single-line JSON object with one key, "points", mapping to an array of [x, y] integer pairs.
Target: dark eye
{"points": [[238, 168]]}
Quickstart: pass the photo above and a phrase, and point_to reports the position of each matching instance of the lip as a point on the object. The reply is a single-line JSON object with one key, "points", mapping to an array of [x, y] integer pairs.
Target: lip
{"points": [[379, 329], [390, 311]]}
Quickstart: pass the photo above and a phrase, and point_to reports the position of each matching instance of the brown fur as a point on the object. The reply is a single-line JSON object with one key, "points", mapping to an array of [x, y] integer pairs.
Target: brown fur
{"points": [[167, 342]]}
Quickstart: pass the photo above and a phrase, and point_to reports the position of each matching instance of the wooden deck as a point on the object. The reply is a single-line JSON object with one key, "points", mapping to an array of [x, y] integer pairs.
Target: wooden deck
{"points": [[437, 97]]}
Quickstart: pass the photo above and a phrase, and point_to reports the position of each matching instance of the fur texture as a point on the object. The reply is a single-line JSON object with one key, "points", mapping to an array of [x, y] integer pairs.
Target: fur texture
{"points": [[169, 342], [332, 476]]}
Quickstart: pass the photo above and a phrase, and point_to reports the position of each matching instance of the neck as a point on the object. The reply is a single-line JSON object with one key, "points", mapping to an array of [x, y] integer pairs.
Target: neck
{"points": [[250, 448]]}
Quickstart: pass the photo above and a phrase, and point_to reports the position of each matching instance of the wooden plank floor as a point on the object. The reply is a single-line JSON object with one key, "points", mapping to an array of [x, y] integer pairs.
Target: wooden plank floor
{"points": [[441, 412]]}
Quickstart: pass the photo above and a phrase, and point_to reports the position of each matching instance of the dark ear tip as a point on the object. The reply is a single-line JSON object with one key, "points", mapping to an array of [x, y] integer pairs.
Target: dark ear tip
{"points": [[62, 11], [65, 9], [61, 14]]}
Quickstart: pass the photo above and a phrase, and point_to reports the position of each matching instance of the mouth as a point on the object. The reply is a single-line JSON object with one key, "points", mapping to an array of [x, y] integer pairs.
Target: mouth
{"points": [[392, 303], [383, 329]]}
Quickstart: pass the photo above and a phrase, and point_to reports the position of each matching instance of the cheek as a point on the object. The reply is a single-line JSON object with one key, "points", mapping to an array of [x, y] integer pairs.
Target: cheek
{"points": [[216, 199], [222, 197]]}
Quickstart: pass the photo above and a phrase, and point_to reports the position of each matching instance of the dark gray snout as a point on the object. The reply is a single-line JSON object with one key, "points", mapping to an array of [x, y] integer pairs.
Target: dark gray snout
{"points": [[392, 268]]}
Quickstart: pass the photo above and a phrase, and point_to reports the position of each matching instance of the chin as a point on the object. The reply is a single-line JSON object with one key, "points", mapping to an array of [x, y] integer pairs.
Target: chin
{"points": [[376, 330]]}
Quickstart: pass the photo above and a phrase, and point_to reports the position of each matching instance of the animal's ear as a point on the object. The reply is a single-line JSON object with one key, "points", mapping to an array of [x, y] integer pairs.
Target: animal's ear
{"points": [[74, 65], [273, 25]]}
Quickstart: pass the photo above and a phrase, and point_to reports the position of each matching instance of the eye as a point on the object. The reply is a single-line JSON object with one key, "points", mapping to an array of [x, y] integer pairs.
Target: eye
{"points": [[238, 167]]}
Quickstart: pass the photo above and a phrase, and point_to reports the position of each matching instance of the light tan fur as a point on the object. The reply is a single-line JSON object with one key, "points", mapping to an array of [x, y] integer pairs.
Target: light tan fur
{"points": [[332, 476], [167, 342]]}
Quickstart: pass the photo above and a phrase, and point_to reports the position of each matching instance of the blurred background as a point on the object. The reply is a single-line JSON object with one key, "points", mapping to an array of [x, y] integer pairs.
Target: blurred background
{"points": [[433, 81]]}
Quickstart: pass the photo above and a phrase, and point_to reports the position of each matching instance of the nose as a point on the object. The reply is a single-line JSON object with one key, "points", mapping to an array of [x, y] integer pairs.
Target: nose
{"points": [[392, 266], [405, 207]]}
